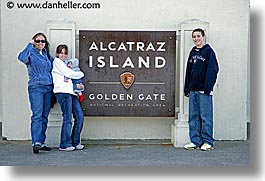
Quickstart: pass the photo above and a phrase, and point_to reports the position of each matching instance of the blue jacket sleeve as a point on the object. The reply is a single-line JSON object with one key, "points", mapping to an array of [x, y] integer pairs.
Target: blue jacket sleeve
{"points": [[77, 81], [211, 73], [24, 56]]}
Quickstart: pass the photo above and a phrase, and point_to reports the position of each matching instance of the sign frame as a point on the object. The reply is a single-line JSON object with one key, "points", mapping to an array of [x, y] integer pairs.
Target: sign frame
{"points": [[128, 73]]}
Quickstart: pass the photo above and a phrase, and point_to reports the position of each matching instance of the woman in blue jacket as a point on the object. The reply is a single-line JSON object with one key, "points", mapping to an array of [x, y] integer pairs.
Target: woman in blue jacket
{"points": [[201, 74], [39, 64]]}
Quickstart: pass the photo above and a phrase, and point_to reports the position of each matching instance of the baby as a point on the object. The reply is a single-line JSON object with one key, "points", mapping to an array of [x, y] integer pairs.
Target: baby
{"points": [[73, 64]]}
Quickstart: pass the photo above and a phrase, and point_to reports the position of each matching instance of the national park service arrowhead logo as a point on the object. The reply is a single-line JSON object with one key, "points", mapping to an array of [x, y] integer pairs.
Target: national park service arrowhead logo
{"points": [[127, 79]]}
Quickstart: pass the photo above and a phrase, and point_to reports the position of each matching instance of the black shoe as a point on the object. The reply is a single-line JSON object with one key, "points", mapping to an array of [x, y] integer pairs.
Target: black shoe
{"points": [[45, 148], [36, 148]]}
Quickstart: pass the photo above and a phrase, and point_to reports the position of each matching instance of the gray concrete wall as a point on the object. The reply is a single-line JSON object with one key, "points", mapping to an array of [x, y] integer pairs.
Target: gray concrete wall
{"points": [[1, 106], [229, 30]]}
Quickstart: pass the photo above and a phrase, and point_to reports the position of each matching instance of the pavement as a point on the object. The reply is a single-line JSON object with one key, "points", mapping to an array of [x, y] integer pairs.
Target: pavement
{"points": [[121, 159], [116, 154]]}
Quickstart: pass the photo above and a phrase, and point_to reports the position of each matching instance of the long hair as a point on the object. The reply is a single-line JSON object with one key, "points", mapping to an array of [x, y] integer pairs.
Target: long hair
{"points": [[59, 49], [46, 44]]}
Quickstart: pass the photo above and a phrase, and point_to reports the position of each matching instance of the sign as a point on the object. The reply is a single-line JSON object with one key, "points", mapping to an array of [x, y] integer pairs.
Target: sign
{"points": [[128, 73]]}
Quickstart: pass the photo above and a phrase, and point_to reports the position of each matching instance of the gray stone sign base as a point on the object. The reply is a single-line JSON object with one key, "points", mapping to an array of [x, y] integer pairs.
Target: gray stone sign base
{"points": [[54, 127], [179, 133], [56, 29]]}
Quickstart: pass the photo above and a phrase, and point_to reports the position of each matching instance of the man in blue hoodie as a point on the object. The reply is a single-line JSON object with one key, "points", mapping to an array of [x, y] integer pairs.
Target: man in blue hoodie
{"points": [[201, 74]]}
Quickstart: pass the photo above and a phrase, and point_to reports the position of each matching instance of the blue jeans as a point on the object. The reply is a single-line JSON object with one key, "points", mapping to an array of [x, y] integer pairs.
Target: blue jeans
{"points": [[40, 102], [200, 118], [70, 105]]}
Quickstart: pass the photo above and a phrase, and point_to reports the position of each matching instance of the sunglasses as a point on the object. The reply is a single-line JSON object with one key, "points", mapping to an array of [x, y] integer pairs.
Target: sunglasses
{"points": [[40, 41]]}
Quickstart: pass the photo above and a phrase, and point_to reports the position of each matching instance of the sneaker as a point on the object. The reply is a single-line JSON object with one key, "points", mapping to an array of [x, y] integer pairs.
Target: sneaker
{"points": [[70, 148], [45, 148], [191, 146], [36, 148], [206, 147], [79, 147]]}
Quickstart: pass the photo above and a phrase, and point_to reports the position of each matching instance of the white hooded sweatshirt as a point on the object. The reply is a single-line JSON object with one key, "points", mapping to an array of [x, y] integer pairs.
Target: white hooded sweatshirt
{"points": [[62, 75]]}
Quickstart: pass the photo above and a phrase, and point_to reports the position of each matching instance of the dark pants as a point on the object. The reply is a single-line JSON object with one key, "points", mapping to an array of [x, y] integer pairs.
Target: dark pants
{"points": [[40, 103], [70, 105], [200, 118]]}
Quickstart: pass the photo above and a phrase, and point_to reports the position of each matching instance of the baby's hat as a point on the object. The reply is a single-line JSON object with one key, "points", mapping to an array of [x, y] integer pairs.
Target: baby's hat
{"points": [[75, 63]]}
